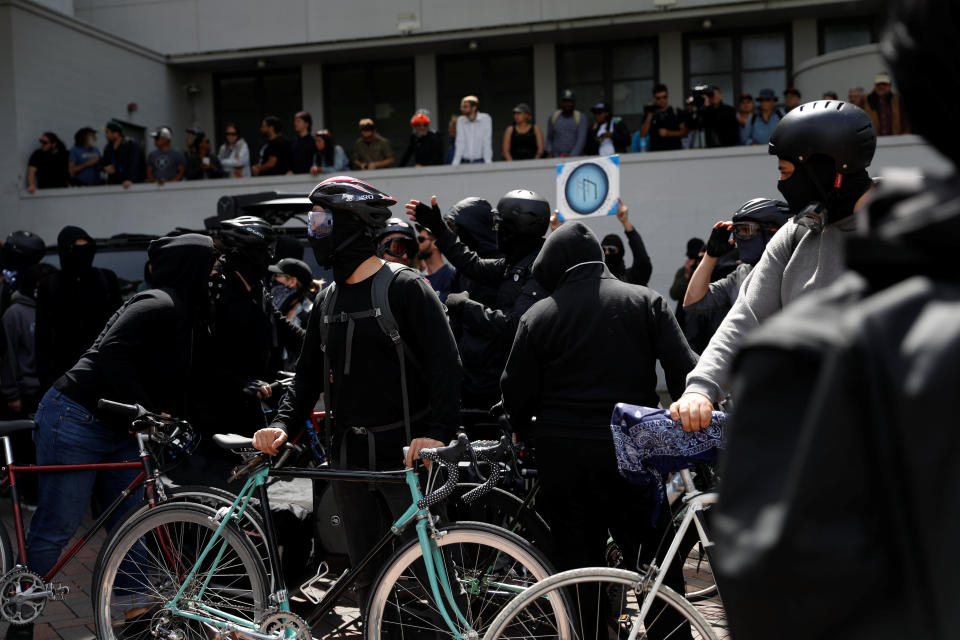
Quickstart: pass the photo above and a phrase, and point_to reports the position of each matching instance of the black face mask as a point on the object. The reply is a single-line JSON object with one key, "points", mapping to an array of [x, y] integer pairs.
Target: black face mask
{"points": [[79, 258], [751, 249], [251, 268], [800, 191], [812, 194], [342, 243], [515, 246]]}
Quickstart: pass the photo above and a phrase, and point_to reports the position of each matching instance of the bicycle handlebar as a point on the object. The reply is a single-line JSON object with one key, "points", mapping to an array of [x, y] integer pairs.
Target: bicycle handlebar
{"points": [[128, 411], [449, 457]]}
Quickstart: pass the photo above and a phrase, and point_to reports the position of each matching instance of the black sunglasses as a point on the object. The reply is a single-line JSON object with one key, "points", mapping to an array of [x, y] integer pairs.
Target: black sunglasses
{"points": [[422, 238]]}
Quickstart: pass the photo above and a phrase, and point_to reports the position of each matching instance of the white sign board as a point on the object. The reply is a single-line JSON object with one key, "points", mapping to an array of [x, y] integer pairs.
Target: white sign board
{"points": [[588, 188]]}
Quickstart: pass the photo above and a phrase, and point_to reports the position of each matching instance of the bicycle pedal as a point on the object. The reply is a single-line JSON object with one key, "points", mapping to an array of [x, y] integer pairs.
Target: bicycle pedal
{"points": [[58, 591], [322, 570]]}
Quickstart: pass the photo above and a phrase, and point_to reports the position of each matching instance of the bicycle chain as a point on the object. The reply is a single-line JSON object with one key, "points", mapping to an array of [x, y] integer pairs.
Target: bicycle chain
{"points": [[12, 597], [284, 622]]}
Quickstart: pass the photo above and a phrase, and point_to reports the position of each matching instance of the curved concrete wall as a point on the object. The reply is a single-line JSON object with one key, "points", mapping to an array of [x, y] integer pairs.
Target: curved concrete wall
{"points": [[672, 195], [839, 71]]}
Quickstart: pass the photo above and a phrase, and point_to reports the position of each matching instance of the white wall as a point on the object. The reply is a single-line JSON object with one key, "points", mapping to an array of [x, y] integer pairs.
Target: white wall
{"points": [[672, 195], [839, 71]]}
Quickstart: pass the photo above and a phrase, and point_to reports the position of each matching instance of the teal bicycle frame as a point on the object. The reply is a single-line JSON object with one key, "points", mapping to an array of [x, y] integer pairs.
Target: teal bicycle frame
{"points": [[187, 606]]}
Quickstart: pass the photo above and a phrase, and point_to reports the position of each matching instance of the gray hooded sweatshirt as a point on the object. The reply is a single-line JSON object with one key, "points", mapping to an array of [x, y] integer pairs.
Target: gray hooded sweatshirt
{"points": [[18, 371]]}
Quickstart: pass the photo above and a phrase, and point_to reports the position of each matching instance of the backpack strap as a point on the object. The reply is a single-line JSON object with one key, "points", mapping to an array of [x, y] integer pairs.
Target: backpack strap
{"points": [[326, 305]]}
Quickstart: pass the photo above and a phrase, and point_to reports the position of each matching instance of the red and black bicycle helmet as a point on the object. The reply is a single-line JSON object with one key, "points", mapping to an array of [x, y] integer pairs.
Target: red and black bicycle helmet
{"points": [[344, 193]]}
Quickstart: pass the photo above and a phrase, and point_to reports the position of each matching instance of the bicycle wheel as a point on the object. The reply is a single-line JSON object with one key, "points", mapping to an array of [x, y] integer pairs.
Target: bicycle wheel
{"points": [[487, 566], [6, 551], [146, 566], [500, 508], [598, 602]]}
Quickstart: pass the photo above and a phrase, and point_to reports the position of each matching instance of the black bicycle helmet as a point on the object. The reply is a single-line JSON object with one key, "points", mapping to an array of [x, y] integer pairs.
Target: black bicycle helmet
{"points": [[22, 249], [343, 193], [248, 234], [524, 213], [766, 212], [396, 225], [839, 130]]}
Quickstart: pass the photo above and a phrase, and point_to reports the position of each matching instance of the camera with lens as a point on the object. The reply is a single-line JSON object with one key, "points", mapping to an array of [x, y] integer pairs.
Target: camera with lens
{"points": [[699, 91]]}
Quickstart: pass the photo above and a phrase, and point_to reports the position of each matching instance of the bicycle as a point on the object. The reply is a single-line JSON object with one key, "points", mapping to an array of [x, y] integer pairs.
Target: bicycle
{"points": [[449, 578], [161, 441], [633, 604]]}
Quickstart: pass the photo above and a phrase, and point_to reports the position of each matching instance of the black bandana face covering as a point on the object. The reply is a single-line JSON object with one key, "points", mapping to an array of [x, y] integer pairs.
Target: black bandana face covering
{"points": [[339, 241]]}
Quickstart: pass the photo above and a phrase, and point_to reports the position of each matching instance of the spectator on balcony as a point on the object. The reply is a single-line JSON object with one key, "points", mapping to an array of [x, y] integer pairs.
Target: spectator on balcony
{"points": [[665, 125], [371, 150], [327, 155], [201, 163], [303, 146], [191, 137], [745, 110], [522, 140], [608, 135], [425, 148], [275, 153], [474, 134], [567, 128], [765, 120], [791, 99], [719, 121], [884, 108], [47, 167], [165, 164], [830, 95], [123, 160], [234, 154], [855, 96], [452, 135], [84, 159]]}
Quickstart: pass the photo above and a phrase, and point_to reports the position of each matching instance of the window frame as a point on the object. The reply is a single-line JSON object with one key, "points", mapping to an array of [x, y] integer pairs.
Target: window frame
{"points": [[868, 20], [738, 70], [258, 74]]}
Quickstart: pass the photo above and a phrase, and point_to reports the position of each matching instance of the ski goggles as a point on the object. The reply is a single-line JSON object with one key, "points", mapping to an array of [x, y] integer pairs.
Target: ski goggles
{"points": [[745, 230], [319, 223], [399, 247]]}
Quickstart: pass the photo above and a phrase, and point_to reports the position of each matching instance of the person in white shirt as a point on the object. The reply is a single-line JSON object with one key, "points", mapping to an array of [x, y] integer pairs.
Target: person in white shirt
{"points": [[234, 154], [474, 134]]}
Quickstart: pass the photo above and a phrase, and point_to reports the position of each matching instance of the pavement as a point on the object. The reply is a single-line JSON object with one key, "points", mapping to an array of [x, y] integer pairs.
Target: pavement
{"points": [[71, 618]]}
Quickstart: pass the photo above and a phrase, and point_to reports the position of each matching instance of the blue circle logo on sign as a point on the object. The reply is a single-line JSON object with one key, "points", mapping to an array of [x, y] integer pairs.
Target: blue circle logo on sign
{"points": [[586, 188]]}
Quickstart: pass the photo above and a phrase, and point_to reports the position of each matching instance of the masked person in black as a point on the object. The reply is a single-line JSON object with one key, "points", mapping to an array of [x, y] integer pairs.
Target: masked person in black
{"points": [[397, 242], [143, 355], [248, 334], [522, 218], [21, 250], [753, 225], [471, 220], [867, 367], [639, 272], [383, 394], [559, 371], [72, 305], [823, 149]]}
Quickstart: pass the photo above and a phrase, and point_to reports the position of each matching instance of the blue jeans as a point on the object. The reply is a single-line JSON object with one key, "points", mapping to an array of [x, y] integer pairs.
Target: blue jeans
{"points": [[67, 433]]}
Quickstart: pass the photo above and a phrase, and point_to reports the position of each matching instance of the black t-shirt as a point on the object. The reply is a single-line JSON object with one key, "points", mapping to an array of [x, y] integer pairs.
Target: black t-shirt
{"points": [[669, 119], [721, 126], [51, 168], [279, 148], [302, 150]]}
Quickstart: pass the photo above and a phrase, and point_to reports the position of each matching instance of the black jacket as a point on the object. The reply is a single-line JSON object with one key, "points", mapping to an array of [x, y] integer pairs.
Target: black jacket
{"points": [[720, 126], [868, 370], [594, 342], [425, 150], [72, 307], [370, 394], [488, 330], [641, 268], [620, 138], [128, 160], [144, 353]]}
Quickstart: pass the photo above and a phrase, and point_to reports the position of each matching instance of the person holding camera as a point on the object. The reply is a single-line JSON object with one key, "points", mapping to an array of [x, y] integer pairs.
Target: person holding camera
{"points": [[666, 126], [718, 120]]}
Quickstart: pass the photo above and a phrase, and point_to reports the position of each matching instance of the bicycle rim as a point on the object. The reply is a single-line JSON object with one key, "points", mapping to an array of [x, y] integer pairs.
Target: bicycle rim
{"points": [[487, 566], [147, 565], [598, 602]]}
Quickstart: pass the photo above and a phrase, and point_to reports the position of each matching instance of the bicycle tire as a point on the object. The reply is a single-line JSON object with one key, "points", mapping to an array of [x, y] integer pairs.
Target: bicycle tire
{"points": [[499, 507], [239, 581], [522, 618], [6, 551], [479, 556]]}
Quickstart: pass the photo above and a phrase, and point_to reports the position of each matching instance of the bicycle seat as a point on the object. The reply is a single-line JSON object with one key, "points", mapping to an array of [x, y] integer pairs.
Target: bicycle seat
{"points": [[12, 426], [232, 441]]}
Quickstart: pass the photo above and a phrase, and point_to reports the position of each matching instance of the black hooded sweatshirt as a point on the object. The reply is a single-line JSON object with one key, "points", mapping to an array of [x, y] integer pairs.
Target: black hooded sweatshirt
{"points": [[594, 342], [72, 306], [144, 353], [639, 272]]}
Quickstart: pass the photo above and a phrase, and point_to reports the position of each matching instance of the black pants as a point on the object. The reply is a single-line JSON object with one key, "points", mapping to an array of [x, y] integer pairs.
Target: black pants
{"points": [[584, 499]]}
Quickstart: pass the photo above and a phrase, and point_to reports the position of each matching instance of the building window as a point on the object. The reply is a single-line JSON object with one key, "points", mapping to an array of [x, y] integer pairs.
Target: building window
{"points": [[739, 63], [246, 98], [622, 74], [501, 80], [382, 90], [843, 34]]}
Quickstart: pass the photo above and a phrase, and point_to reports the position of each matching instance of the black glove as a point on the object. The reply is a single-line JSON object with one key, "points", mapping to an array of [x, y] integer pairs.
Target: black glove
{"points": [[252, 388], [431, 218], [719, 242], [456, 302]]}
